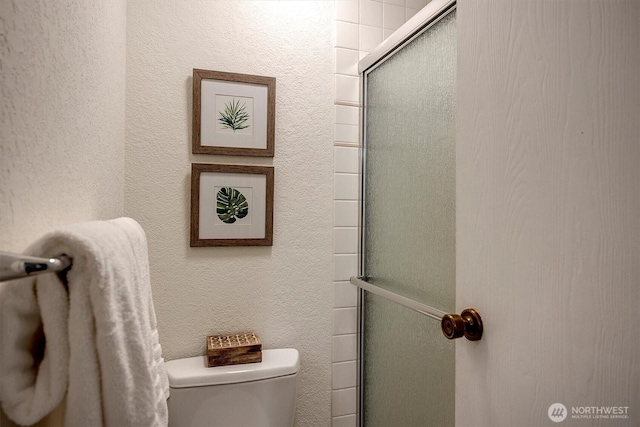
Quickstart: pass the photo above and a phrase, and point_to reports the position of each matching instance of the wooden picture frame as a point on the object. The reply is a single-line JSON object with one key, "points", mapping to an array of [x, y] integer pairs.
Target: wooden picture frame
{"points": [[231, 205], [233, 114]]}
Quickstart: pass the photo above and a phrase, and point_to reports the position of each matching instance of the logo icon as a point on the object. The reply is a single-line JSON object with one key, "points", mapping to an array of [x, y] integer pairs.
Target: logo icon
{"points": [[557, 412]]}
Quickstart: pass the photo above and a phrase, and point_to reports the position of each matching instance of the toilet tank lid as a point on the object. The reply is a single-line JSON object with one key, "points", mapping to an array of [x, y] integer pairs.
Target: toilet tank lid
{"points": [[193, 371]]}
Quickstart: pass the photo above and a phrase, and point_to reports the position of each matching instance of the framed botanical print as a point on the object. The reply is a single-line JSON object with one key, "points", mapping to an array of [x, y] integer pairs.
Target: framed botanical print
{"points": [[233, 114], [231, 205]]}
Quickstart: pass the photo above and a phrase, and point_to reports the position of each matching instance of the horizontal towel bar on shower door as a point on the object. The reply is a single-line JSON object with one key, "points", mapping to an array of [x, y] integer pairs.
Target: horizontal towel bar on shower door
{"points": [[434, 313], [468, 324], [14, 266]]}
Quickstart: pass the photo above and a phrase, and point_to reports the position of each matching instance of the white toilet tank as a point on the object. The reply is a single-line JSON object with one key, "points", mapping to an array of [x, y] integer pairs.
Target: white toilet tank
{"points": [[248, 395]]}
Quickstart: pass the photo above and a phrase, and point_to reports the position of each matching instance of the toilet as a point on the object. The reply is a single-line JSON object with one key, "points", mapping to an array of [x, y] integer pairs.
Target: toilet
{"points": [[253, 394]]}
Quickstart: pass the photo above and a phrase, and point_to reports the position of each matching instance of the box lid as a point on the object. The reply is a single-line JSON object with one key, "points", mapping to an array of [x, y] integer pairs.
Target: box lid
{"points": [[247, 342], [193, 371]]}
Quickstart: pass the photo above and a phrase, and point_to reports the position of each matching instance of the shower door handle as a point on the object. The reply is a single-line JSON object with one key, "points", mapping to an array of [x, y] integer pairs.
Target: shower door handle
{"points": [[467, 324]]}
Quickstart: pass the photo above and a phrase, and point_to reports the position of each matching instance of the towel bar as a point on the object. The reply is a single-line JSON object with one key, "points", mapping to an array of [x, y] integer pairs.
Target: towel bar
{"points": [[15, 266], [468, 324]]}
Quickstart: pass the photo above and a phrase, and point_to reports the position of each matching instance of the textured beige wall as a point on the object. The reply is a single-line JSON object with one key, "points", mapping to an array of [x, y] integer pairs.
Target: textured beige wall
{"points": [[283, 292], [62, 134], [62, 82]]}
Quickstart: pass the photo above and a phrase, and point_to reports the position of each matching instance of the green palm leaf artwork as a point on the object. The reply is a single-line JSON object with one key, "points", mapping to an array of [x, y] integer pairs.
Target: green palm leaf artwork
{"points": [[231, 205], [234, 116]]}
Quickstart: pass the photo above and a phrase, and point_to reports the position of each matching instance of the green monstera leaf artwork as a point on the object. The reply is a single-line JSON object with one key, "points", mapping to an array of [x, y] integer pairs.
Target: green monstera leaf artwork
{"points": [[231, 205], [234, 116]]}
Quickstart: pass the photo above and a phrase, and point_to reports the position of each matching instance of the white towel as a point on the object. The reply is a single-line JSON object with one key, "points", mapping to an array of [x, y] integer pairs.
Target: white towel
{"points": [[102, 349]]}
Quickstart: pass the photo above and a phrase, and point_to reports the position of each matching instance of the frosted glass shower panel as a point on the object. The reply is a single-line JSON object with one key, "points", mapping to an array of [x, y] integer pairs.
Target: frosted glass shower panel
{"points": [[409, 231], [410, 169]]}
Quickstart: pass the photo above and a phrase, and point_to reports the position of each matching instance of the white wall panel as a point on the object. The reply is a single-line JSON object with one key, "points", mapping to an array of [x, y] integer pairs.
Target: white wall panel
{"points": [[548, 214]]}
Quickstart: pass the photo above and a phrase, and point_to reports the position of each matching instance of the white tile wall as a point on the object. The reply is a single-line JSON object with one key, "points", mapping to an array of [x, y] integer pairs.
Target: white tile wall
{"points": [[344, 322], [416, 4], [361, 25], [344, 348], [344, 266], [343, 402], [345, 421], [345, 186], [346, 35], [347, 115], [370, 13], [345, 240], [346, 160], [394, 16], [370, 37], [347, 11], [345, 214], [346, 61], [344, 375], [344, 294], [347, 89], [346, 133]]}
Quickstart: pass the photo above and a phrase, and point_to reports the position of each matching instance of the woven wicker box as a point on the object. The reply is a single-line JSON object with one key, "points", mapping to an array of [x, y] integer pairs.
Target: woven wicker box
{"points": [[233, 349]]}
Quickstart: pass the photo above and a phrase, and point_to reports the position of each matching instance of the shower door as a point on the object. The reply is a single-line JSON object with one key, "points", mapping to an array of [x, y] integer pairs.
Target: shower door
{"points": [[408, 222]]}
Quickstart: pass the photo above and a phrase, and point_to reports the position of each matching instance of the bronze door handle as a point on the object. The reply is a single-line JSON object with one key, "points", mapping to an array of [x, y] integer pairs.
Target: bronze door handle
{"points": [[467, 324]]}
